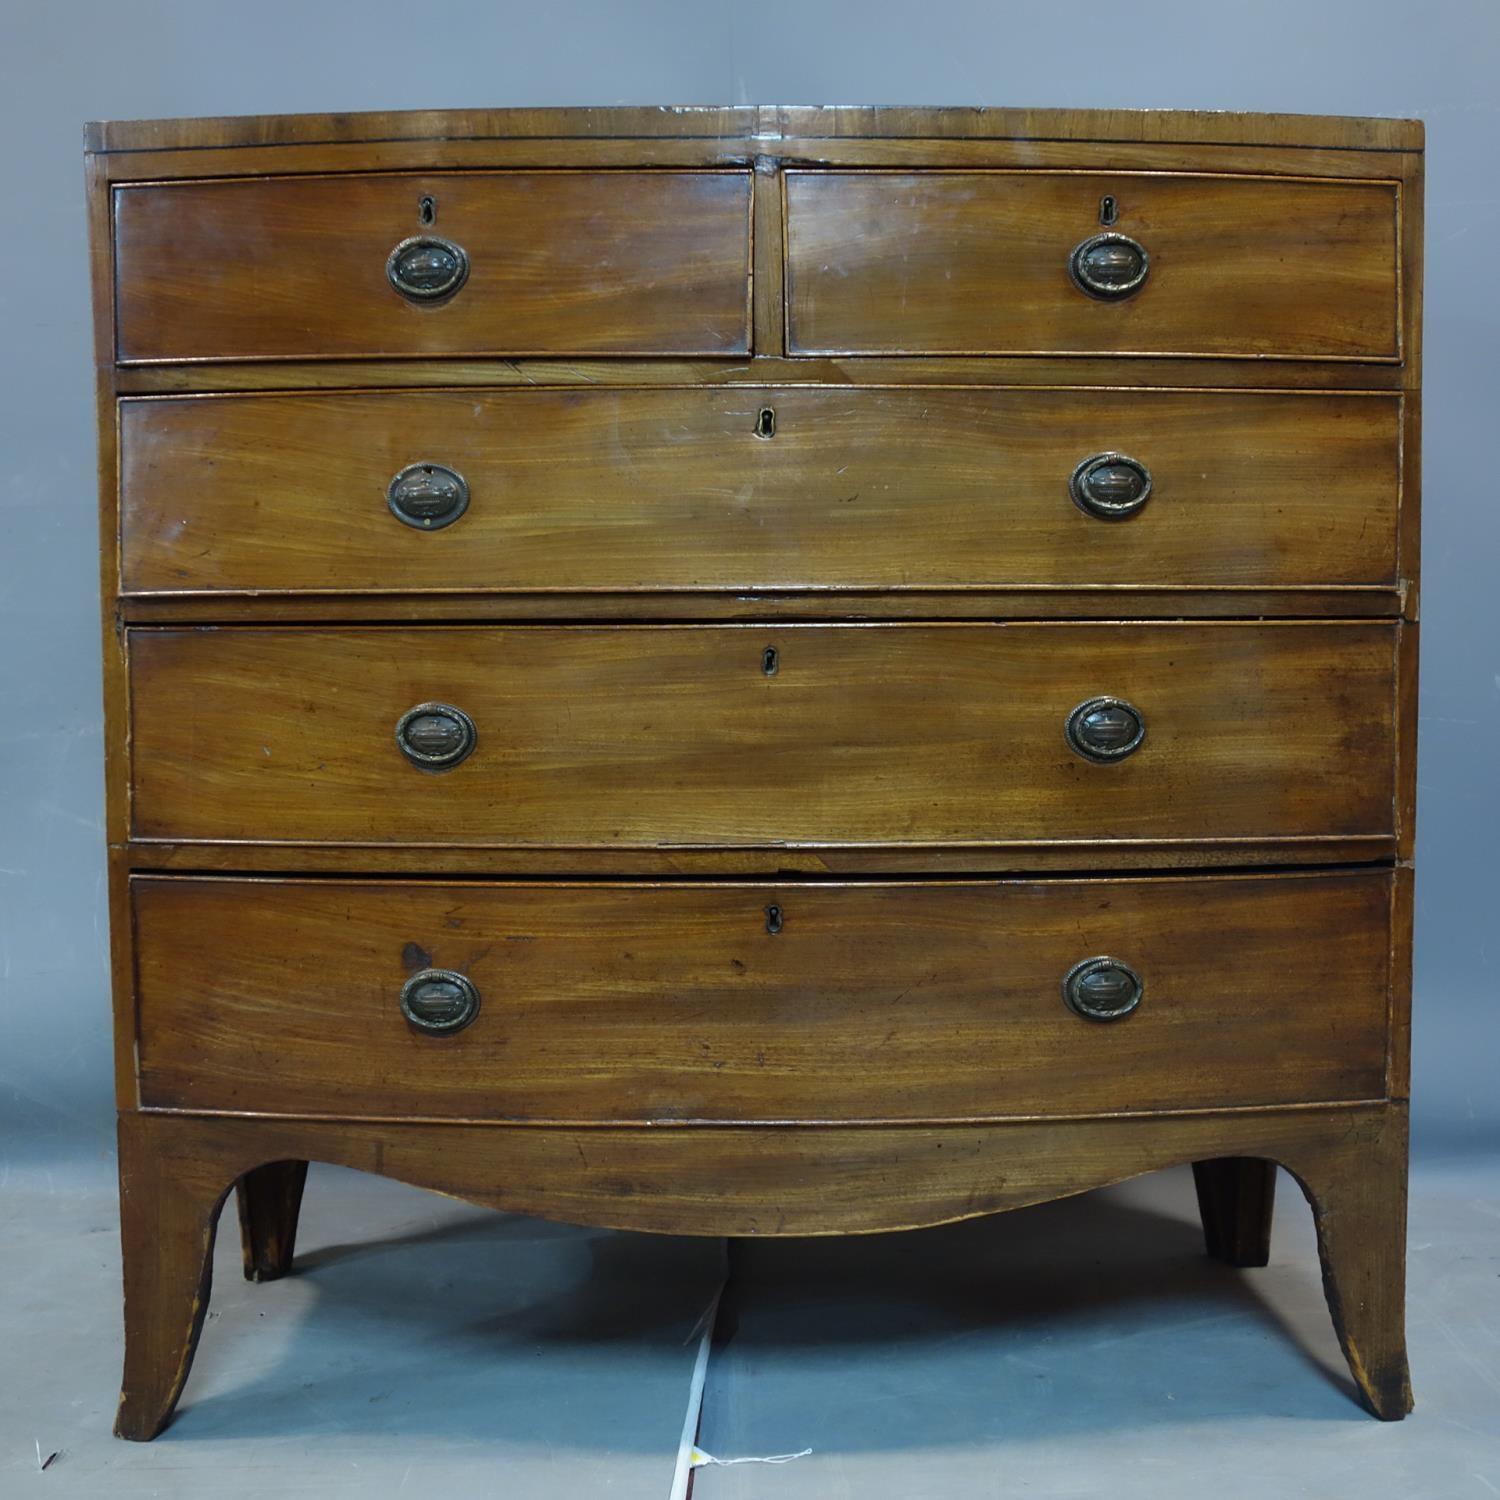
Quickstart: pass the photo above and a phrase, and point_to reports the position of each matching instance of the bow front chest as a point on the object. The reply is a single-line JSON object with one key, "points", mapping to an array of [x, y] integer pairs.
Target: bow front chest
{"points": [[759, 671]]}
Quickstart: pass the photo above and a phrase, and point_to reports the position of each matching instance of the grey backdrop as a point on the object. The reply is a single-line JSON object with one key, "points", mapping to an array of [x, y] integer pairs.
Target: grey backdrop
{"points": [[68, 61]]}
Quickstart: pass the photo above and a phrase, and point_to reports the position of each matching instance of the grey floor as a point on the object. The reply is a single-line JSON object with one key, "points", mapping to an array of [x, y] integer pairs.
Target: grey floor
{"points": [[1077, 1349]]}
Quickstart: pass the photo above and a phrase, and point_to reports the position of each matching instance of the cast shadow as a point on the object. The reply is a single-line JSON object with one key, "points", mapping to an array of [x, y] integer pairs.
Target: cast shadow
{"points": [[1061, 1318]]}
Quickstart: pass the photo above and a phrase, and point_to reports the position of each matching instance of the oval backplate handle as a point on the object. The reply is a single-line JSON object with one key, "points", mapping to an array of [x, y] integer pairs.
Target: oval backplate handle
{"points": [[436, 736], [439, 1002], [1110, 486], [1105, 729], [1109, 266], [1102, 989], [427, 496], [427, 268]]}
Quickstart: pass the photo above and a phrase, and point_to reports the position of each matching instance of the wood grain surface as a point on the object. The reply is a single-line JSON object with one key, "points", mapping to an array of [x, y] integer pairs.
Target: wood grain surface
{"points": [[971, 263], [175, 1172], [933, 859], [677, 735], [640, 1004], [560, 262], [1148, 372], [769, 122], [668, 490]]}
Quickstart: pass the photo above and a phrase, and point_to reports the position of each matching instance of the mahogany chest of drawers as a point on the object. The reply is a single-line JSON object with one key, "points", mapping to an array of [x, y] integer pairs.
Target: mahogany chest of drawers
{"points": [[759, 671]]}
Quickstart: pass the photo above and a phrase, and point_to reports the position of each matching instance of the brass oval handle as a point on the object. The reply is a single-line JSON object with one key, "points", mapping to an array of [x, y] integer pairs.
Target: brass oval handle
{"points": [[1109, 266], [436, 736], [439, 1001], [427, 496], [1110, 486], [427, 268], [1102, 989], [1105, 729]]}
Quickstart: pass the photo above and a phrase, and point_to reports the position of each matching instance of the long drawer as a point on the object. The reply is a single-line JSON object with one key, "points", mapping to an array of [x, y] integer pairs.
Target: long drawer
{"points": [[759, 736], [792, 1001], [756, 488], [943, 262], [562, 262]]}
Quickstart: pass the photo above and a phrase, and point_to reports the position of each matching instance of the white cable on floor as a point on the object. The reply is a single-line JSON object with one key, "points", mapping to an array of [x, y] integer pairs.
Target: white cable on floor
{"points": [[683, 1471], [701, 1459], [689, 1455]]}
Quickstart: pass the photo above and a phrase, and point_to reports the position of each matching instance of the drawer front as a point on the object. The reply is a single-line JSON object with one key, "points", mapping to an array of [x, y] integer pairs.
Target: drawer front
{"points": [[755, 736], [978, 263], [891, 1001], [557, 263], [632, 490]]}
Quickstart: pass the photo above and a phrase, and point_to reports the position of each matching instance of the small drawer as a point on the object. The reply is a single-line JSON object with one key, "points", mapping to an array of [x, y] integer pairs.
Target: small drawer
{"points": [[762, 736], [809, 1002], [392, 265], [748, 488], [1040, 262]]}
